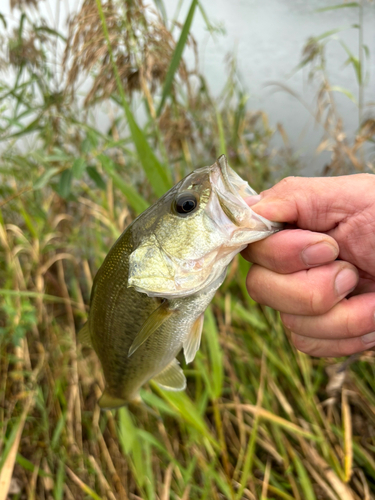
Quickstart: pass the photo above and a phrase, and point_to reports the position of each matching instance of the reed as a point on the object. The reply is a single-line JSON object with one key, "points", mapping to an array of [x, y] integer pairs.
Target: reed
{"points": [[258, 419]]}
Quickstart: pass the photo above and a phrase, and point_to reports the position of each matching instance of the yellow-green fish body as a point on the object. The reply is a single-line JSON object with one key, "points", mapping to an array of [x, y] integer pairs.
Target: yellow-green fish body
{"points": [[150, 294]]}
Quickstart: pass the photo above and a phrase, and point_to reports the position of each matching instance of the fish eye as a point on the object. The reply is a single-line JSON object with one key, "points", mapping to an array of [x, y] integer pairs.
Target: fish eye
{"points": [[186, 203]]}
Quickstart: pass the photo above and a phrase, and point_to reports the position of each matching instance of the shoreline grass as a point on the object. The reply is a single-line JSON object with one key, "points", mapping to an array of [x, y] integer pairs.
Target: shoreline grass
{"points": [[258, 419]]}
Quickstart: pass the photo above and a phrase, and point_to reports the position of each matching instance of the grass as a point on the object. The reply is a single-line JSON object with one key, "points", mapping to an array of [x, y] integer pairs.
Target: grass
{"points": [[257, 420]]}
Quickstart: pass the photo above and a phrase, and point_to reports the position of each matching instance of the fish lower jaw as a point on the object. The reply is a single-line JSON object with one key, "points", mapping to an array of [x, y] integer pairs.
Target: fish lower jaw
{"points": [[214, 280], [176, 294]]}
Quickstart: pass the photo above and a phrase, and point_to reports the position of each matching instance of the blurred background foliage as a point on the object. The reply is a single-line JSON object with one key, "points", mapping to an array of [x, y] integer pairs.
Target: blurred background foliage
{"points": [[258, 420]]}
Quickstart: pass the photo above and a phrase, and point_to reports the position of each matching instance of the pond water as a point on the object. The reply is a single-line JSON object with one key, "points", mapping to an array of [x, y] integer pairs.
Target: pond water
{"points": [[267, 37]]}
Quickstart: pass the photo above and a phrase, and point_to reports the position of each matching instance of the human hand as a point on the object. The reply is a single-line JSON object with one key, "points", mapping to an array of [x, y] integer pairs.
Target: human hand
{"points": [[328, 304]]}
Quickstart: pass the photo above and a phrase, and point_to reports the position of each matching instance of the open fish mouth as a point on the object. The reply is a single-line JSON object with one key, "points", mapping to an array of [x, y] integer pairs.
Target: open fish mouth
{"points": [[231, 191], [231, 181]]}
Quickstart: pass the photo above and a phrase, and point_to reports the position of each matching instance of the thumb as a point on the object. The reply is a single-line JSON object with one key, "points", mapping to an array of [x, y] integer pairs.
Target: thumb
{"points": [[317, 204]]}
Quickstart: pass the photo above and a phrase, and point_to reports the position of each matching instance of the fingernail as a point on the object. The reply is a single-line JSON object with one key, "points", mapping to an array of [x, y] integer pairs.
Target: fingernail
{"points": [[319, 253], [346, 281], [369, 338], [252, 200]]}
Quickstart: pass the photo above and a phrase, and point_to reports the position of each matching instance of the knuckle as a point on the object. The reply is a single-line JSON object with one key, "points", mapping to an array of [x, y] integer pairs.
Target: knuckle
{"points": [[350, 327], [274, 261], [307, 345], [288, 320], [253, 285], [282, 186], [318, 302], [346, 347], [287, 181]]}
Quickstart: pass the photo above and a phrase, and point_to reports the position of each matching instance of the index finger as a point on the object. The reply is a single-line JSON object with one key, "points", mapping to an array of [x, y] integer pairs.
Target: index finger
{"points": [[292, 250]]}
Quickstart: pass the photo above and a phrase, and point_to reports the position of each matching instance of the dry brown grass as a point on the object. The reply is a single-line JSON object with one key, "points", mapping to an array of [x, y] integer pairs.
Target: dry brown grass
{"points": [[258, 420]]}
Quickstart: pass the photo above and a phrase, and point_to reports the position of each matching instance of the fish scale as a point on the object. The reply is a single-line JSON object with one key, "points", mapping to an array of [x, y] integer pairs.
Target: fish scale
{"points": [[150, 294]]}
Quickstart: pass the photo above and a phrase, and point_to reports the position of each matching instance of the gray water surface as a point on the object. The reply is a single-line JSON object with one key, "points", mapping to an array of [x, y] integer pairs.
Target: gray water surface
{"points": [[268, 36]]}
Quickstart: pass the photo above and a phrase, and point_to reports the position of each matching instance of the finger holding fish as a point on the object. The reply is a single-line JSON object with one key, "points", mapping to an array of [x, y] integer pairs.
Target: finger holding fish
{"points": [[292, 250], [307, 292], [333, 348], [329, 313], [352, 317]]}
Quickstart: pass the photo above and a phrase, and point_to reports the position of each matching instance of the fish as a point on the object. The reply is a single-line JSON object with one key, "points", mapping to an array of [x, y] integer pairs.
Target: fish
{"points": [[149, 296]]}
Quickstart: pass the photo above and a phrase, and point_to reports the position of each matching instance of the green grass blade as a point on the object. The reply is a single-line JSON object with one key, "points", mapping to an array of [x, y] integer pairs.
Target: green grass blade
{"points": [[223, 147], [78, 167], [210, 27], [130, 443], [215, 353], [136, 201], [354, 61], [55, 441], [58, 490], [342, 90], [248, 463], [161, 7], [304, 479], [328, 33], [45, 177], [29, 466], [151, 440], [36, 295], [65, 184], [188, 411], [147, 466], [175, 62], [83, 486], [2, 18], [340, 6], [157, 174], [126, 430]]}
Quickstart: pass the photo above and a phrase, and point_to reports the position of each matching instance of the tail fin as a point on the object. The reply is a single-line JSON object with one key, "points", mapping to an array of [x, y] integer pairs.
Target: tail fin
{"points": [[109, 402]]}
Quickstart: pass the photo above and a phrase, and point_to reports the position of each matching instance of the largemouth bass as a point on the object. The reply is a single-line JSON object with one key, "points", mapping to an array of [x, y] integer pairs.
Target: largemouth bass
{"points": [[149, 296]]}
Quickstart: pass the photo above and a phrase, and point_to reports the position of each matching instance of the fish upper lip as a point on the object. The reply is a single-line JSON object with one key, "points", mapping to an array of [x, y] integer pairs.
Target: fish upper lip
{"points": [[222, 184], [222, 165]]}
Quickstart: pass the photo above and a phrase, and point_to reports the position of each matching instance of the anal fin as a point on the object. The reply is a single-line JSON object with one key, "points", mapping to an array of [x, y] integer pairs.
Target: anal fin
{"points": [[172, 378], [152, 323], [84, 335], [193, 340]]}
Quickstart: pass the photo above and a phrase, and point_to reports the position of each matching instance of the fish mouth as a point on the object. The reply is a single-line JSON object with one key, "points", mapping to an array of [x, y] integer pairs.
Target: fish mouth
{"points": [[232, 182], [230, 191]]}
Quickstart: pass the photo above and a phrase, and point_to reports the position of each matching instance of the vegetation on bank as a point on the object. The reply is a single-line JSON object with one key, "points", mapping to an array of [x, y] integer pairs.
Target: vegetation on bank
{"points": [[94, 127]]}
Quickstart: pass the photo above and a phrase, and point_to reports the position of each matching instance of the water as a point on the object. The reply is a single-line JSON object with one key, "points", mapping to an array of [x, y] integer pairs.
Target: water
{"points": [[268, 36]]}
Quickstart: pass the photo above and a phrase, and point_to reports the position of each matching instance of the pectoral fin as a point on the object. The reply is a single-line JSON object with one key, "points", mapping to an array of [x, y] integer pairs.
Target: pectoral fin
{"points": [[84, 335], [152, 323], [192, 343], [108, 402], [172, 378]]}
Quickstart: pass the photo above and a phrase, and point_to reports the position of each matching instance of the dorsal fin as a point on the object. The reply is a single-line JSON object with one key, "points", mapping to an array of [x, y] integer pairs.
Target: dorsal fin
{"points": [[84, 336], [172, 377], [193, 340], [152, 323]]}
